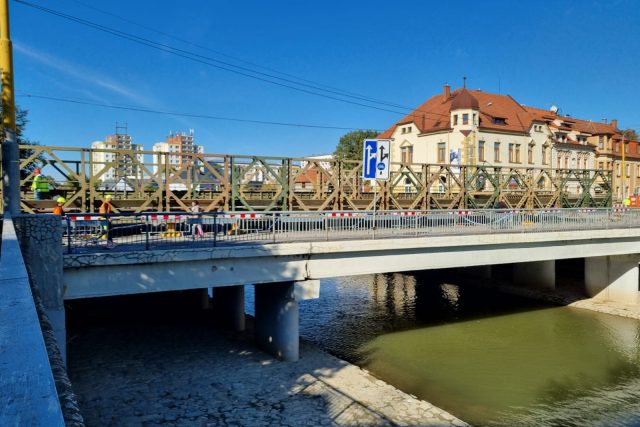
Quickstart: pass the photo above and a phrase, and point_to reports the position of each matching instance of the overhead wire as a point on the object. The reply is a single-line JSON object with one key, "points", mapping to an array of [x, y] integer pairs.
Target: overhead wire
{"points": [[217, 52], [212, 62], [180, 114]]}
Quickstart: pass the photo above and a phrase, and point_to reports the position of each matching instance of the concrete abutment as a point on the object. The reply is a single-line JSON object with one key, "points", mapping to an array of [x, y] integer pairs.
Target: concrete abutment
{"points": [[40, 237]]}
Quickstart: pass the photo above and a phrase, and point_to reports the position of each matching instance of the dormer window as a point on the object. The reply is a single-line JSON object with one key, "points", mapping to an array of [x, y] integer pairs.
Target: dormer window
{"points": [[465, 119], [455, 120], [499, 121]]}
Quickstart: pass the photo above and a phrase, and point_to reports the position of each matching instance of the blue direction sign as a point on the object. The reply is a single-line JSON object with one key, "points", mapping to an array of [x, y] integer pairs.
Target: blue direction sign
{"points": [[375, 160]]}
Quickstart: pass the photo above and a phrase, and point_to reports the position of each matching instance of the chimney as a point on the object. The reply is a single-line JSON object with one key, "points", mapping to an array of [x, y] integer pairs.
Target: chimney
{"points": [[447, 92], [614, 123]]}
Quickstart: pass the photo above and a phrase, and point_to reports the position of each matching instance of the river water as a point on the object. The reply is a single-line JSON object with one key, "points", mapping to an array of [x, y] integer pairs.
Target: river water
{"points": [[486, 357]]}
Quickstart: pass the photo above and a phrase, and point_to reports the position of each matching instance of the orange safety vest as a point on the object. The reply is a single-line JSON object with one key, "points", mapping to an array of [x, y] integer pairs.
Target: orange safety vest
{"points": [[58, 210], [105, 207]]}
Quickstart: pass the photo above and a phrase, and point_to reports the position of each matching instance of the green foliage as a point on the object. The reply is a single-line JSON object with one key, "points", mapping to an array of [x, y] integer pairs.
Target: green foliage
{"points": [[350, 145], [630, 134], [21, 124]]}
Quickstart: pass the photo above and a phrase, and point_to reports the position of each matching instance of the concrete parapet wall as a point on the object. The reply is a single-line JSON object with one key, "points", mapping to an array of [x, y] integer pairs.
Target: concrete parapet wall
{"points": [[27, 389]]}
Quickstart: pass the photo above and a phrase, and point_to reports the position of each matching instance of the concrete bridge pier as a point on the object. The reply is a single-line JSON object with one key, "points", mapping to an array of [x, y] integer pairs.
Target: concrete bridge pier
{"points": [[612, 278], [539, 274], [277, 316], [479, 271], [228, 303]]}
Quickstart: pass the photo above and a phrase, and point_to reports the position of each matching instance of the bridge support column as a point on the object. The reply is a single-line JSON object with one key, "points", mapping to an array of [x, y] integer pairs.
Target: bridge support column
{"points": [[229, 305], [479, 271], [612, 278], [277, 316], [539, 274], [40, 237]]}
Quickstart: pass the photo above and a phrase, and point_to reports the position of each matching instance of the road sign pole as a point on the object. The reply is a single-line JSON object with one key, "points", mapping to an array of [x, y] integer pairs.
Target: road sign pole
{"points": [[375, 202]]}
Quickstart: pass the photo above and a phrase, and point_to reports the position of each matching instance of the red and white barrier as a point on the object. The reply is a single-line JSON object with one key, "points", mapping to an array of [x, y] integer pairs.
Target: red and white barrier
{"points": [[243, 216], [167, 217], [406, 213]]}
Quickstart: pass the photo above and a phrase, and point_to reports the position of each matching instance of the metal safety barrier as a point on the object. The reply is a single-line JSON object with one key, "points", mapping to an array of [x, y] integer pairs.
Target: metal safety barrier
{"points": [[97, 232]]}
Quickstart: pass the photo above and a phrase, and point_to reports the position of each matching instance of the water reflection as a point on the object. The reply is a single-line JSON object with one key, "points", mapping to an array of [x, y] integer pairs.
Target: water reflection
{"points": [[489, 358]]}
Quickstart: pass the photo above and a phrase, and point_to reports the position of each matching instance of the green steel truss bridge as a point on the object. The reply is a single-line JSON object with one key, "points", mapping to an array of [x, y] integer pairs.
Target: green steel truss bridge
{"points": [[144, 181]]}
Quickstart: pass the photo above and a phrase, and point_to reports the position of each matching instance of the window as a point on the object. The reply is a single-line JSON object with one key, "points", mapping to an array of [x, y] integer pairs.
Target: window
{"points": [[407, 154], [481, 151], [499, 121], [465, 119], [530, 154], [627, 169], [511, 156], [626, 148], [601, 166], [455, 120], [474, 119], [638, 171], [545, 157], [601, 142], [616, 147], [496, 151], [618, 169], [517, 153], [442, 150]]}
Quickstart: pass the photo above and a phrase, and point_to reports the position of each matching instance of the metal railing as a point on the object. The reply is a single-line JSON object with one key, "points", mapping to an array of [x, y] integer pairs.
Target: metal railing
{"points": [[145, 231]]}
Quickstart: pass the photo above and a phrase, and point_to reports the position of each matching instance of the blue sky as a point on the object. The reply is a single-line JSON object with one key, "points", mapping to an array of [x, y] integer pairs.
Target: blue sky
{"points": [[583, 56]]}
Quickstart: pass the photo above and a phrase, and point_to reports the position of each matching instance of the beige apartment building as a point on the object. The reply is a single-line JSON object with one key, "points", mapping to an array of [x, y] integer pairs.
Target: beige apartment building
{"points": [[473, 127], [120, 165], [180, 148]]}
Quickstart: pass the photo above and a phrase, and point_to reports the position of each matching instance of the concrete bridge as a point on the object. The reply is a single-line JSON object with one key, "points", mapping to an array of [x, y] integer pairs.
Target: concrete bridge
{"points": [[286, 272], [285, 259]]}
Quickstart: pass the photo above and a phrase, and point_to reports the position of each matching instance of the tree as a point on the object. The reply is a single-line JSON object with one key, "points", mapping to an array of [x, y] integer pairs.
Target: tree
{"points": [[21, 124], [630, 134], [350, 145]]}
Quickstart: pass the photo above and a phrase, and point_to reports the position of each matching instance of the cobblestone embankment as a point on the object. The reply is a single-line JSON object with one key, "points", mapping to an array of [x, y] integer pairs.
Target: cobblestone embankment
{"points": [[186, 375]]}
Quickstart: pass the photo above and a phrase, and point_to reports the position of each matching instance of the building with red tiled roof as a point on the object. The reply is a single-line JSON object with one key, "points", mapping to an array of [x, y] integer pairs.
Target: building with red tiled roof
{"points": [[474, 127]]}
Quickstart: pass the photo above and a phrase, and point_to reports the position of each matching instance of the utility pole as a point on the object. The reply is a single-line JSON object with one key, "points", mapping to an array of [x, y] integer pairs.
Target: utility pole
{"points": [[10, 152]]}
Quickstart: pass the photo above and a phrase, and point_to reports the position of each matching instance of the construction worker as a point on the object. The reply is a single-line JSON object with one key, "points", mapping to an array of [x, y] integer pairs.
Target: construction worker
{"points": [[40, 185], [105, 208], [59, 208]]}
